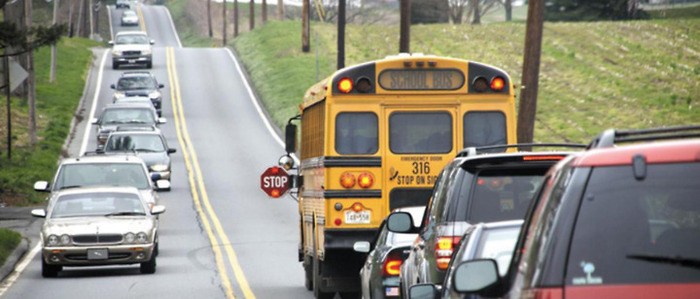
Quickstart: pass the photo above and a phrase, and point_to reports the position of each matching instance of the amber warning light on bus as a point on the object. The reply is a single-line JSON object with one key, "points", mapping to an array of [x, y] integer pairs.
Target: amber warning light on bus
{"points": [[274, 181]]}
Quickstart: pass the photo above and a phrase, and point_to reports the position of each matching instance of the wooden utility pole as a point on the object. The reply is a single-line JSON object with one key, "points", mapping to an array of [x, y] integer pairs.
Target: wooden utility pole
{"points": [[9, 112], [31, 88], [211, 33], [341, 34], [405, 27], [305, 26], [235, 18], [280, 10], [252, 15], [52, 73], [531, 71], [264, 11], [79, 23]]}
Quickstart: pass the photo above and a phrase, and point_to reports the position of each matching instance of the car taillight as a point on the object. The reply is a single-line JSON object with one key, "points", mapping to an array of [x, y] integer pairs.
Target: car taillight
{"points": [[392, 264], [443, 250]]}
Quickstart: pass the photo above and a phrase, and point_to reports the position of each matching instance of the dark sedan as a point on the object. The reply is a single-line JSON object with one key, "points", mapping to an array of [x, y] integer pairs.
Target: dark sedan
{"points": [[379, 277]]}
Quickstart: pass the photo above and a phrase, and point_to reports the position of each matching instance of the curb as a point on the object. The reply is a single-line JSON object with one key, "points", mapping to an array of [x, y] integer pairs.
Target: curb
{"points": [[14, 258]]}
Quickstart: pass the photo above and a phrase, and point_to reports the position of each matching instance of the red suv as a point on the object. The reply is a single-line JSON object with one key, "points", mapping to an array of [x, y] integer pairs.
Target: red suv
{"points": [[611, 222]]}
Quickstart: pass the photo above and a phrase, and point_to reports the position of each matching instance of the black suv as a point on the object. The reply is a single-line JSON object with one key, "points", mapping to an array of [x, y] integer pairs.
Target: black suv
{"points": [[610, 222], [139, 84], [473, 188]]}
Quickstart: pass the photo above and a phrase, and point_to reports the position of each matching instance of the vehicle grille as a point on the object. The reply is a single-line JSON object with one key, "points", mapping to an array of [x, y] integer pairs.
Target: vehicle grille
{"points": [[131, 53], [95, 239], [112, 256]]}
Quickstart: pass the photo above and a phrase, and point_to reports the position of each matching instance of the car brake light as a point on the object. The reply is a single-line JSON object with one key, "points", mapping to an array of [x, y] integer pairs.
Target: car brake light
{"points": [[443, 250], [347, 180], [365, 180], [392, 264], [542, 158]]}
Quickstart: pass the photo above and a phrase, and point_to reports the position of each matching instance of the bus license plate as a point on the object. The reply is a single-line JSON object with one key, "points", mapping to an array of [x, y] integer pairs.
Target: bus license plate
{"points": [[352, 217]]}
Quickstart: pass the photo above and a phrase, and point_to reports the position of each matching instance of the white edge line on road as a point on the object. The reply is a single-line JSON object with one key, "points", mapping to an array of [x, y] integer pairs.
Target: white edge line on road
{"points": [[10, 280], [257, 106], [88, 121], [111, 29], [172, 24]]}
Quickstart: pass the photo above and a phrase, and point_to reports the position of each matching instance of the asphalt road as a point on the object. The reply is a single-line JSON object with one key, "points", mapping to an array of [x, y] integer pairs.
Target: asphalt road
{"points": [[223, 141]]}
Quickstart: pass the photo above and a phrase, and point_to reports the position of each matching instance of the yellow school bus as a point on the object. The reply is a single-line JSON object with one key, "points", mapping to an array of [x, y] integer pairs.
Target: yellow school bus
{"points": [[374, 137]]}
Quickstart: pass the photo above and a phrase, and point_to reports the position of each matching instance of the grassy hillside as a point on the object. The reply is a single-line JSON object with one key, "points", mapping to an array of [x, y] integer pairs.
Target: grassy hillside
{"points": [[593, 75]]}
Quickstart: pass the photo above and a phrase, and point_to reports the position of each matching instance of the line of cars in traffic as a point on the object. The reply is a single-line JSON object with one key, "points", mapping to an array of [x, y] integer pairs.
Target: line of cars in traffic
{"points": [[614, 220], [103, 206]]}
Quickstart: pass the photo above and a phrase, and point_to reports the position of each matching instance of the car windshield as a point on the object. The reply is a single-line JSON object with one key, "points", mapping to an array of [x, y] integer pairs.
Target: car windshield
{"points": [[136, 83], [132, 39], [498, 244], [97, 204], [135, 142], [128, 116], [497, 195], [102, 174], [632, 231]]}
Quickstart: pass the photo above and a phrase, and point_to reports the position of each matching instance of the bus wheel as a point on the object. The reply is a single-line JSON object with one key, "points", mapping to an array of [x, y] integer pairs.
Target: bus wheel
{"points": [[317, 282], [308, 273]]}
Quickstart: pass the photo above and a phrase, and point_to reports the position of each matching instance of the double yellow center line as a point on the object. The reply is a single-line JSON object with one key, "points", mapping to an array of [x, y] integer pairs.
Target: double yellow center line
{"points": [[217, 236]]}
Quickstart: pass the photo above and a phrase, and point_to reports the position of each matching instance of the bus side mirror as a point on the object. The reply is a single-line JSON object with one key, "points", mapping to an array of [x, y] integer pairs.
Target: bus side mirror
{"points": [[290, 138]]}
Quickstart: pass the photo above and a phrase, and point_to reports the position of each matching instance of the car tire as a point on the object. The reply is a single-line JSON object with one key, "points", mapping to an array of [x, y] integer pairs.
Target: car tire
{"points": [[156, 250], [49, 270], [150, 266], [349, 295]]}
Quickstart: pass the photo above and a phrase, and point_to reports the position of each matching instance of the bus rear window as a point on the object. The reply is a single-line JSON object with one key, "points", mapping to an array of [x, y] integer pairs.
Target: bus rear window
{"points": [[483, 128], [420, 132], [356, 133]]}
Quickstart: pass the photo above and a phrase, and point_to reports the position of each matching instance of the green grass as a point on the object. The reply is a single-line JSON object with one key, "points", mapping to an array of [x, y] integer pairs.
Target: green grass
{"points": [[56, 105], [9, 239], [594, 76]]}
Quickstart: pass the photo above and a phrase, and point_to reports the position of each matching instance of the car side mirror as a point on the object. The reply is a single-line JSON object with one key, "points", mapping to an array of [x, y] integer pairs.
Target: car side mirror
{"points": [[160, 85], [361, 247], [40, 213], [162, 120], [112, 86], [41, 186], [111, 43], [95, 121], [476, 277], [153, 42], [172, 151], [400, 222], [155, 210], [162, 185], [423, 291]]}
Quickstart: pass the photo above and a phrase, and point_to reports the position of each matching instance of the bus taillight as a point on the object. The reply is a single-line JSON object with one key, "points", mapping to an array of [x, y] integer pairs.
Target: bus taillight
{"points": [[347, 180], [345, 85], [497, 84], [365, 180]]}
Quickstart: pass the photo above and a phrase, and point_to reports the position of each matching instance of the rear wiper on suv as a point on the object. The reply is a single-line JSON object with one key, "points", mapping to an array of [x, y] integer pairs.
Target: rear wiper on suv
{"points": [[674, 260], [126, 214]]}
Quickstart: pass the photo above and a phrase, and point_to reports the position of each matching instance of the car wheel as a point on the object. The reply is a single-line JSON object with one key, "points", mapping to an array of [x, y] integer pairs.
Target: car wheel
{"points": [[49, 270], [308, 273], [155, 250], [150, 266]]}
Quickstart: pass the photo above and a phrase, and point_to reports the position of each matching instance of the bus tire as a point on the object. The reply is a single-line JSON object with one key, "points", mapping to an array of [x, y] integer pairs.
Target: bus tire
{"points": [[317, 266], [308, 272]]}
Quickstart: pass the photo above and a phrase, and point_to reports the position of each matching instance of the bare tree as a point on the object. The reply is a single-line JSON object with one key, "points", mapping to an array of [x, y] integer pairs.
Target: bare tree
{"points": [[457, 10], [280, 10]]}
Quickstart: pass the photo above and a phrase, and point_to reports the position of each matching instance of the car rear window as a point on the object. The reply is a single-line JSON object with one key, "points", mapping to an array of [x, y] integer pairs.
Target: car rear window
{"points": [[632, 231], [496, 194], [102, 174]]}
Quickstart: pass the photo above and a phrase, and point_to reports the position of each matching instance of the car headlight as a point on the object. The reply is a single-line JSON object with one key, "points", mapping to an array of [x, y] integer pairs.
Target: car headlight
{"points": [[129, 238], [116, 53], [119, 95], [154, 95], [141, 237], [159, 167], [52, 240], [147, 52], [65, 240]]}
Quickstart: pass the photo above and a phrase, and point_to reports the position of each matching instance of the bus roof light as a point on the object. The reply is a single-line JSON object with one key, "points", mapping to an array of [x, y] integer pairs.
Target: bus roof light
{"points": [[480, 84], [420, 63], [407, 63], [432, 63], [497, 84], [345, 85], [364, 85]]}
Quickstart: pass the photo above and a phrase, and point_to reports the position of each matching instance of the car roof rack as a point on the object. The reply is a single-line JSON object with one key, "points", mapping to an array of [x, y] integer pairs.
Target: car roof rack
{"points": [[473, 151], [610, 137]]}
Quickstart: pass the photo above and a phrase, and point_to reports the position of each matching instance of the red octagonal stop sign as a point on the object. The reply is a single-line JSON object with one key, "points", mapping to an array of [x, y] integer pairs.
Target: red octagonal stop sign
{"points": [[274, 181]]}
